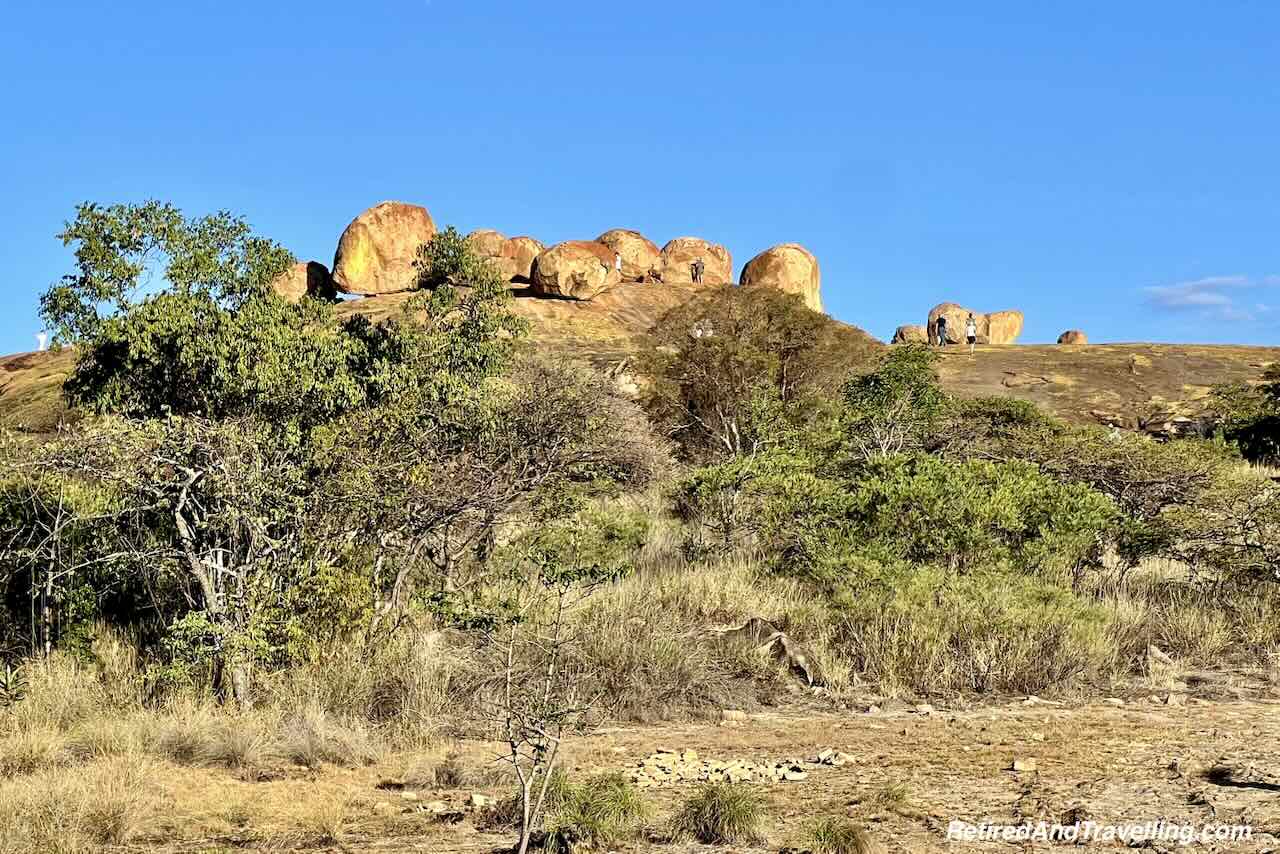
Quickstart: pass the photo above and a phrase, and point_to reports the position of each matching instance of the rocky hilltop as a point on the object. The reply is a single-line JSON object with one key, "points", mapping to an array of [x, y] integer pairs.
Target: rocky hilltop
{"points": [[593, 299], [376, 253]]}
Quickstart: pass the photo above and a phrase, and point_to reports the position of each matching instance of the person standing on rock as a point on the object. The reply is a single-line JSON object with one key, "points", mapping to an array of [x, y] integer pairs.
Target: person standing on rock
{"points": [[971, 332], [617, 262], [696, 269], [940, 330]]}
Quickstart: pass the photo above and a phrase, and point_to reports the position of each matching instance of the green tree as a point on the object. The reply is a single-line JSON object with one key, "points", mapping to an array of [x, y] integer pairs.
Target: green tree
{"points": [[187, 354], [733, 370], [121, 251], [895, 407], [1249, 416]]}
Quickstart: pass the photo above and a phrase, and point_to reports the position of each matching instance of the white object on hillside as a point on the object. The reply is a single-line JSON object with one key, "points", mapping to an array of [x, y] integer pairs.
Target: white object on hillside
{"points": [[42, 340]]}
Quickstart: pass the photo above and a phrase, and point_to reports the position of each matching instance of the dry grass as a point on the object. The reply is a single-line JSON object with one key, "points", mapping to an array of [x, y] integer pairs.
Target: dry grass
{"points": [[104, 803], [833, 835], [721, 814]]}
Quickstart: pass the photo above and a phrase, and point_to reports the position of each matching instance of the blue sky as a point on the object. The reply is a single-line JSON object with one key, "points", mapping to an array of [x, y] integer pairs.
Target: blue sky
{"points": [[1108, 166]]}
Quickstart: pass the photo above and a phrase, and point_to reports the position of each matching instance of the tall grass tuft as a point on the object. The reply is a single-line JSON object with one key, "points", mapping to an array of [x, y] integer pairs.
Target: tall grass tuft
{"points": [[833, 835], [720, 814]]}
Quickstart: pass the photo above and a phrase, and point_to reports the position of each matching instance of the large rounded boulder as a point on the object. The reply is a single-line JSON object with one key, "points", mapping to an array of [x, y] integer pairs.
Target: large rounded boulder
{"points": [[305, 278], [1073, 336], [639, 254], [1004, 327], [957, 316], [522, 251], [577, 269], [789, 267], [376, 252], [910, 333], [679, 254], [998, 327], [487, 242]]}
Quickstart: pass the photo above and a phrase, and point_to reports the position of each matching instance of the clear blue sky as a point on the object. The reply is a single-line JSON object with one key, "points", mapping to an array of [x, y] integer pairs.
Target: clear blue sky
{"points": [[1109, 166]]}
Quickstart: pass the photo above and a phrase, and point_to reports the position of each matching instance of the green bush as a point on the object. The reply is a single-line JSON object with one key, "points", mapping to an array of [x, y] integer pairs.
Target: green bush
{"points": [[721, 814], [963, 515]]}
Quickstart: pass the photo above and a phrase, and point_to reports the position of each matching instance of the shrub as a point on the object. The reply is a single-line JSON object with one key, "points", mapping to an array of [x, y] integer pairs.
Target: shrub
{"points": [[734, 369], [720, 814], [895, 407], [833, 835]]}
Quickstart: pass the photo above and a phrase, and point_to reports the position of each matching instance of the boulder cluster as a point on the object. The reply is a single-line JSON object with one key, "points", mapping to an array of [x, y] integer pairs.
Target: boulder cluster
{"points": [[376, 255], [997, 327]]}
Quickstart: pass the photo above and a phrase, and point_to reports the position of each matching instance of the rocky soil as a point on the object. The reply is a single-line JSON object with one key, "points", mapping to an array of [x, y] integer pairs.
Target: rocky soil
{"points": [[904, 771]]}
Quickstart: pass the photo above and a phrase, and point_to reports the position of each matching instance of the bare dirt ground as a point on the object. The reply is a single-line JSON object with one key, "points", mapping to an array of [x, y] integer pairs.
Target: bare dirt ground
{"points": [[1210, 761]]}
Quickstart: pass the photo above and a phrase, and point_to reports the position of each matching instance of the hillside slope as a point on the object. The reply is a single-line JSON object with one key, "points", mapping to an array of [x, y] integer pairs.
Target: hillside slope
{"points": [[1130, 385]]}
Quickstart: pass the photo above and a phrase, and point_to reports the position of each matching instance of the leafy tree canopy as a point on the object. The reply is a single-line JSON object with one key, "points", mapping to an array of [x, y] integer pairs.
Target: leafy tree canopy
{"points": [[734, 369], [122, 250]]}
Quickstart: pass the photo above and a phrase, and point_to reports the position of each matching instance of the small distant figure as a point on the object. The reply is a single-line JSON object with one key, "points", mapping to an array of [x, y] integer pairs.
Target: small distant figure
{"points": [[697, 268], [42, 341], [971, 332], [617, 262], [940, 330]]}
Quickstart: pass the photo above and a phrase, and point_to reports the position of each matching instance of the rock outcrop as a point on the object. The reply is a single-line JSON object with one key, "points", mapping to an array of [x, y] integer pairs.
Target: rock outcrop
{"points": [[998, 327], [487, 242], [910, 333], [1003, 327], [1073, 336], [376, 252], [639, 254], [956, 315], [522, 250], [305, 278], [790, 268], [679, 254], [513, 256], [578, 269]]}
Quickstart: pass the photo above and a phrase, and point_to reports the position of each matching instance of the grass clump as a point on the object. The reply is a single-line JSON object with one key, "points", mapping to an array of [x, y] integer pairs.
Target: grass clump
{"points": [[311, 738], [601, 811], [32, 749], [720, 814], [105, 804], [834, 835]]}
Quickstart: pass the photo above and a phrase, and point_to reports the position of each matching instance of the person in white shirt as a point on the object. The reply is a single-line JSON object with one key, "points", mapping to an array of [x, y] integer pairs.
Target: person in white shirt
{"points": [[971, 332], [42, 340], [617, 262]]}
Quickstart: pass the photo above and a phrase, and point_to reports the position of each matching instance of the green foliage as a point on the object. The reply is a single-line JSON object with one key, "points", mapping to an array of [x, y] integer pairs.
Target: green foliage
{"points": [[721, 814], [13, 686], [732, 371], [218, 343], [1233, 532], [975, 512], [448, 259], [894, 407], [1249, 416], [187, 354], [117, 246]]}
